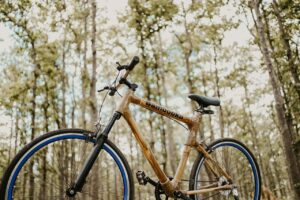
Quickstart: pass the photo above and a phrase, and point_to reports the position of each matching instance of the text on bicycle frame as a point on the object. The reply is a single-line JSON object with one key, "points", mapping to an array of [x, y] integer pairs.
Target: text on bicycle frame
{"points": [[168, 112]]}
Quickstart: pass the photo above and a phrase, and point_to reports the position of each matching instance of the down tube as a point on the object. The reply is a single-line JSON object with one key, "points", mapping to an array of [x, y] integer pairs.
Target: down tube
{"points": [[146, 150]]}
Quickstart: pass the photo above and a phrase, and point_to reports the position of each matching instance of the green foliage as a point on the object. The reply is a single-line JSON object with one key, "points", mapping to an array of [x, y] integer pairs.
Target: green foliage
{"points": [[173, 39], [148, 17]]}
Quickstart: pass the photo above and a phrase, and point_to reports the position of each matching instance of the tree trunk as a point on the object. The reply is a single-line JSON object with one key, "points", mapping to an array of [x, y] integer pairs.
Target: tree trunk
{"points": [[289, 111], [217, 79], [171, 151], [188, 53], [146, 85], [161, 123], [84, 74], [64, 124], [10, 137], [44, 151], [210, 126], [254, 133], [286, 44], [277, 175], [291, 160], [17, 131], [36, 72], [93, 100]]}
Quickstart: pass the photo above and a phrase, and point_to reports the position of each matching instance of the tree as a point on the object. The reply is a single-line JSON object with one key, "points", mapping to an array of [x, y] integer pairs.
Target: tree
{"points": [[285, 127]]}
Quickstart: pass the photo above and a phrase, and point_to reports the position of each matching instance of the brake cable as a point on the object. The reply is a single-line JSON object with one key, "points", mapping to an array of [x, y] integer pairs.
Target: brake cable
{"points": [[108, 88]]}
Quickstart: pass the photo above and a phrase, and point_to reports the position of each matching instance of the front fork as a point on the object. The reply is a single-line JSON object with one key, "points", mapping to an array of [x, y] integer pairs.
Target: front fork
{"points": [[100, 140]]}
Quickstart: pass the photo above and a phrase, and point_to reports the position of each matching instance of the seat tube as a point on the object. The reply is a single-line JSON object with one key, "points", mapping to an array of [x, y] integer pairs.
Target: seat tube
{"points": [[182, 164], [189, 145]]}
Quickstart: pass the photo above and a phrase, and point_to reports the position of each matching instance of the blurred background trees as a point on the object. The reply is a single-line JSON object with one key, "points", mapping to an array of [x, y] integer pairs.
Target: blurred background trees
{"points": [[244, 52]]}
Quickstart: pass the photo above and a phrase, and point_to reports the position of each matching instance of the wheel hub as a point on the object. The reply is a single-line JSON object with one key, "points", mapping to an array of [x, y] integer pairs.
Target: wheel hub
{"points": [[223, 181], [71, 192]]}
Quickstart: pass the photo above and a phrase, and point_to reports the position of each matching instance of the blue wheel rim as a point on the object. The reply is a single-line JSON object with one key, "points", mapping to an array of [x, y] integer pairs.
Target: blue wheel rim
{"points": [[249, 158], [47, 141]]}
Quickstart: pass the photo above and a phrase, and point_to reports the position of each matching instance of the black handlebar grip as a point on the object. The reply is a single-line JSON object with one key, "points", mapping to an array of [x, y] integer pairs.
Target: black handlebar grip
{"points": [[135, 60]]}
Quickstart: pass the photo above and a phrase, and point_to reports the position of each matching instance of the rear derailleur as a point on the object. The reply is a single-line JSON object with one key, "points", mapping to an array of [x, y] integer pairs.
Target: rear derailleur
{"points": [[159, 192]]}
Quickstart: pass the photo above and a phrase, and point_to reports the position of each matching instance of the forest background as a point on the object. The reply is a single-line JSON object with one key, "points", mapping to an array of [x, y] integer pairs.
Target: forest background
{"points": [[56, 54]]}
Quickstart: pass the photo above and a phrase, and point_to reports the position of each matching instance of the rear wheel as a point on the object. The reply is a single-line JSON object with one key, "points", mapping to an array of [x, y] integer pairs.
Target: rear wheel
{"points": [[238, 162], [47, 167]]}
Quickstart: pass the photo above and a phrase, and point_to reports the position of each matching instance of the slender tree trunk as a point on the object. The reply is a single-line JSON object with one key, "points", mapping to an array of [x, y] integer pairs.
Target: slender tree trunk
{"points": [[217, 79], [254, 133], [33, 113], [278, 71], [43, 188], [24, 185], [286, 44], [17, 131], [10, 137], [74, 105], [146, 84], [84, 74], [293, 69], [93, 81], [145, 65], [61, 168], [64, 124], [210, 126], [288, 105], [287, 187], [171, 150], [161, 123], [291, 159], [56, 109], [93, 100], [277, 177], [53, 178], [188, 53]]}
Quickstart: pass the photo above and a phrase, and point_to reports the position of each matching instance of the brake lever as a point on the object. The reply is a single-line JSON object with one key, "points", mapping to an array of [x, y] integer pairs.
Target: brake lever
{"points": [[121, 67], [103, 89], [111, 92]]}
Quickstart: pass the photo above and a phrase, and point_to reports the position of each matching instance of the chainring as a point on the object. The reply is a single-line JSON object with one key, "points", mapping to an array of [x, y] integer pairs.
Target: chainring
{"points": [[160, 193]]}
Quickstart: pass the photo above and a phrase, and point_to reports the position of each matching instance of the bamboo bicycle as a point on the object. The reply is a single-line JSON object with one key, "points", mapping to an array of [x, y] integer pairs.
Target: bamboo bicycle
{"points": [[59, 164]]}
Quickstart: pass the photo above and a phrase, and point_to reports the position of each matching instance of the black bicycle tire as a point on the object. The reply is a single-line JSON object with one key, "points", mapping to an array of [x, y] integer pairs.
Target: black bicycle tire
{"points": [[14, 162], [200, 156]]}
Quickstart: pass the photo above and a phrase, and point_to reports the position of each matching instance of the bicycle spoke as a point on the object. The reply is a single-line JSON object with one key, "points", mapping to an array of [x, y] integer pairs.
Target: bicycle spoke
{"points": [[236, 164], [211, 196], [62, 170]]}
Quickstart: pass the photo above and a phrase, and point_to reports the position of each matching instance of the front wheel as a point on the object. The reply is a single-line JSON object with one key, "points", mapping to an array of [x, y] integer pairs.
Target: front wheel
{"points": [[48, 166], [237, 160]]}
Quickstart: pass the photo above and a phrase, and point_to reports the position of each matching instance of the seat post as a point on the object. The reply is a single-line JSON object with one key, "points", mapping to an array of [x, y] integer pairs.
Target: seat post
{"points": [[204, 111]]}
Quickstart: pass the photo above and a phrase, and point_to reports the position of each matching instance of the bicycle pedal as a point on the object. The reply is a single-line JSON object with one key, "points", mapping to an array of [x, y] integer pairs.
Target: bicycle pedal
{"points": [[141, 177]]}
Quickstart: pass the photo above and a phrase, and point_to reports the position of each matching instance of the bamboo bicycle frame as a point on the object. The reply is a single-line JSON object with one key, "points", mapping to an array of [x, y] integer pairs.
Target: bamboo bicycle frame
{"points": [[193, 124]]}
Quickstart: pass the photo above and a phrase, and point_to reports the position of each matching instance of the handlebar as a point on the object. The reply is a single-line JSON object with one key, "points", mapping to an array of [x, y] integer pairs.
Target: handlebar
{"points": [[135, 60]]}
